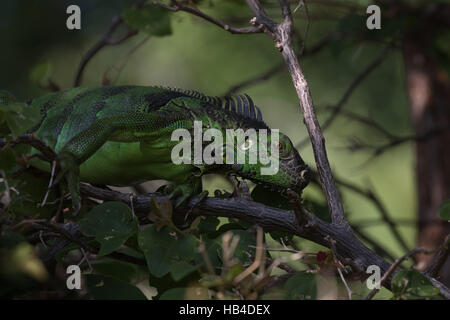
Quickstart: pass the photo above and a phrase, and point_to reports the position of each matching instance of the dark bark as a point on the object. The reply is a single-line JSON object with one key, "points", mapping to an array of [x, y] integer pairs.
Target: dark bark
{"points": [[428, 89]]}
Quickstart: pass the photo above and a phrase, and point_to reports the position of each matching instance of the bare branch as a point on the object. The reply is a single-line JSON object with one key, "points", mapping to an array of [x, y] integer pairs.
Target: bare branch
{"points": [[376, 151], [363, 120], [105, 41], [175, 7], [306, 52], [259, 78], [373, 197], [358, 80], [33, 141]]}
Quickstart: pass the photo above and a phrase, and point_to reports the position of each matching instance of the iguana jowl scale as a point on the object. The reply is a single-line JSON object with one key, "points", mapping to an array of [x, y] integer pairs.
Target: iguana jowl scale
{"points": [[121, 135]]}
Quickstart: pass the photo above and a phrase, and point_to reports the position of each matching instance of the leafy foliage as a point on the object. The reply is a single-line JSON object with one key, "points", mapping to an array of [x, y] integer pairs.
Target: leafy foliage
{"points": [[301, 287], [411, 285], [111, 223]]}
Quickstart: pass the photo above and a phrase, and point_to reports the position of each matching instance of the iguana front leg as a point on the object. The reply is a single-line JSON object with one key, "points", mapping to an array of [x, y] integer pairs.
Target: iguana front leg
{"points": [[123, 128]]}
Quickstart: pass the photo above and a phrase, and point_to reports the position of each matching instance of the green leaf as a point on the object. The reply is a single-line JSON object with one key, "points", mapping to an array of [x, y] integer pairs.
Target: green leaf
{"points": [[151, 19], [174, 294], [411, 284], [213, 248], [444, 210], [7, 159], [208, 224], [179, 270], [106, 288], [32, 188], [123, 271], [19, 117], [41, 72], [302, 286], [162, 284], [111, 223], [161, 249], [61, 253]]}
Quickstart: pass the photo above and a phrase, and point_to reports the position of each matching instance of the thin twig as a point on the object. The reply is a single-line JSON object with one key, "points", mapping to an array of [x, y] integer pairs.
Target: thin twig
{"points": [[338, 264], [259, 253], [282, 34], [393, 267], [358, 145], [355, 84], [50, 184], [196, 12], [73, 235], [371, 195]]}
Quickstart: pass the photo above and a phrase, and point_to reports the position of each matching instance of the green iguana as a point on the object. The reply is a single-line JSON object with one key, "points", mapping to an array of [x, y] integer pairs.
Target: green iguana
{"points": [[121, 135]]}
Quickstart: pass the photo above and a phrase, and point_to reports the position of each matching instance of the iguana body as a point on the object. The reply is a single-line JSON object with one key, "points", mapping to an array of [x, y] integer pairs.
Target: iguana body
{"points": [[121, 135]]}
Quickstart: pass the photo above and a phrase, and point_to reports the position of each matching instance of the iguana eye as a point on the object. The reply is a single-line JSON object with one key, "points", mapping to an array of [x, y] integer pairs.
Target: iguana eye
{"points": [[248, 143]]}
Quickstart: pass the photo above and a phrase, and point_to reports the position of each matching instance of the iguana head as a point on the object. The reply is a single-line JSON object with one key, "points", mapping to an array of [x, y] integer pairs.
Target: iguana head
{"points": [[278, 164], [250, 139]]}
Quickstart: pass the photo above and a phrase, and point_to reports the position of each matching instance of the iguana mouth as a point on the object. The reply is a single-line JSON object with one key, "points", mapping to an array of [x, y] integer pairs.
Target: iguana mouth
{"points": [[304, 176]]}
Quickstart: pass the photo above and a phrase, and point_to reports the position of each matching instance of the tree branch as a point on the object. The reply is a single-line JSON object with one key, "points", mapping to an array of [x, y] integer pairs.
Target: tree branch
{"points": [[371, 195], [348, 248], [282, 35]]}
